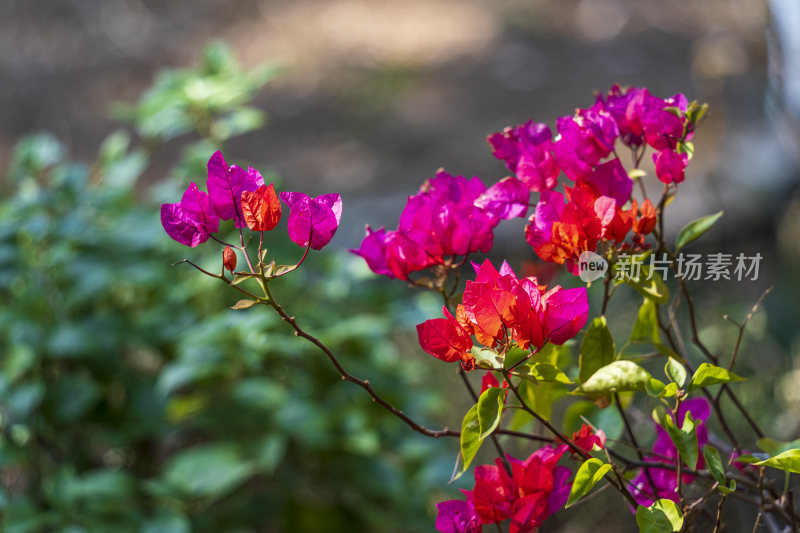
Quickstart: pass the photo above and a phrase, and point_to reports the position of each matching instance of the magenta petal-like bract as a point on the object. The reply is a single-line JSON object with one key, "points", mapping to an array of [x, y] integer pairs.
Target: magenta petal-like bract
{"points": [[670, 166], [373, 251], [561, 488], [191, 220], [312, 221], [506, 199], [610, 179], [457, 516], [566, 311], [226, 185]]}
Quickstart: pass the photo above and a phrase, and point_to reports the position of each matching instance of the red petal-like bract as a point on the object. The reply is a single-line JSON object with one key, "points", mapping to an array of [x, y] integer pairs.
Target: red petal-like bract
{"points": [[493, 312], [444, 339], [536, 488], [261, 208]]}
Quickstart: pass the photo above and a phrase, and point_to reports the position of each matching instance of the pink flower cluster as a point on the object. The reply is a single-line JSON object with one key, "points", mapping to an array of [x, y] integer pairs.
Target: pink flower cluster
{"points": [[535, 489], [450, 216], [666, 480], [234, 193], [497, 306], [584, 149]]}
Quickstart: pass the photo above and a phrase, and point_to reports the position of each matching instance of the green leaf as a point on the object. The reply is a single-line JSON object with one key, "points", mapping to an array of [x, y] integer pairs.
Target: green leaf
{"points": [[514, 356], [646, 326], [167, 521], [617, 377], [695, 229], [684, 438], [648, 284], [238, 122], [280, 270], [589, 473], [708, 374], [635, 173], [490, 407], [654, 387], [209, 470], [685, 147], [470, 439], [714, 464], [788, 461], [484, 357], [244, 304], [676, 372], [240, 278], [775, 447], [747, 458], [727, 490], [540, 396], [597, 349], [658, 389], [548, 372], [663, 516]]}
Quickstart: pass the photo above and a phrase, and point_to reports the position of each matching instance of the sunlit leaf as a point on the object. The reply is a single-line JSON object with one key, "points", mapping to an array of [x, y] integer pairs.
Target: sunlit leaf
{"points": [[470, 438], [663, 516], [714, 463], [695, 229], [244, 304], [646, 326], [684, 438], [616, 377], [788, 461], [587, 476], [676, 372], [597, 349], [490, 408], [708, 374]]}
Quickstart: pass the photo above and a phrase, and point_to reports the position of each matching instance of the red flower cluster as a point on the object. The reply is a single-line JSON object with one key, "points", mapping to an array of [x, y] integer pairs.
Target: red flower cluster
{"points": [[586, 438], [559, 231], [499, 306], [535, 489]]}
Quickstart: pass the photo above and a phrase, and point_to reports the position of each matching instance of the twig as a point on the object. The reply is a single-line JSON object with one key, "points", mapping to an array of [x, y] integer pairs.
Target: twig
{"points": [[719, 513], [636, 444], [364, 384]]}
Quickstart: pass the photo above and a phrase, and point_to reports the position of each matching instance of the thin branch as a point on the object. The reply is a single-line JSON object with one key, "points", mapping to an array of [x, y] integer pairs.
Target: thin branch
{"points": [[635, 443], [364, 384], [718, 523], [758, 519]]}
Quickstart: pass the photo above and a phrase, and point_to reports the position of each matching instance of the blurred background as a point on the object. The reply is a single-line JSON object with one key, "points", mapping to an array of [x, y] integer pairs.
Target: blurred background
{"points": [[130, 395]]}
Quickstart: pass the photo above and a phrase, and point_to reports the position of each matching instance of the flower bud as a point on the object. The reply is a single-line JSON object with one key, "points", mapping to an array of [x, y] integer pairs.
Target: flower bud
{"points": [[229, 258]]}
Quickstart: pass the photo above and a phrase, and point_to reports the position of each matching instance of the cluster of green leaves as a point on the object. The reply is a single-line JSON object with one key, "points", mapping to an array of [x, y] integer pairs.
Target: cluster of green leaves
{"points": [[133, 399]]}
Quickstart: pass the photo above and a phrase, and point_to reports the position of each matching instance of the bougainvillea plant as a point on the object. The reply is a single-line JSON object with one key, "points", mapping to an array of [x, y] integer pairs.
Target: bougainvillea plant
{"points": [[514, 328]]}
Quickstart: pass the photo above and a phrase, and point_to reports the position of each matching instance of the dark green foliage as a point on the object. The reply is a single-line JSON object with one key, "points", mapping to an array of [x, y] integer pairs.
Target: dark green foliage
{"points": [[133, 399]]}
